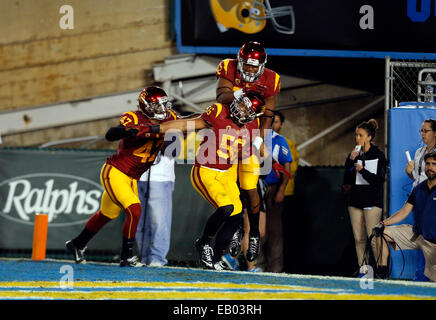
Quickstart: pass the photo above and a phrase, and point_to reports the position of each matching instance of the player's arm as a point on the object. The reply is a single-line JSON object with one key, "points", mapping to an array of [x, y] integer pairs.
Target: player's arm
{"points": [[224, 91], [273, 89], [266, 121], [267, 118], [120, 132], [182, 125], [128, 127]]}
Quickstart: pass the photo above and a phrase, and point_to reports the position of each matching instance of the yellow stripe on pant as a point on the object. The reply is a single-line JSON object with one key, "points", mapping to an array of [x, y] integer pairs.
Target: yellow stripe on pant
{"points": [[219, 188]]}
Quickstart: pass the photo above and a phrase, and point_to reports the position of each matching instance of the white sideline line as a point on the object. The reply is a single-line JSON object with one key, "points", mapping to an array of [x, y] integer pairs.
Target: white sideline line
{"points": [[278, 275]]}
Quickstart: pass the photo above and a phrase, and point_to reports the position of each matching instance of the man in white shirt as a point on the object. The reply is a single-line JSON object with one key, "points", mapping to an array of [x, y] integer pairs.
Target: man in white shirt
{"points": [[155, 190]]}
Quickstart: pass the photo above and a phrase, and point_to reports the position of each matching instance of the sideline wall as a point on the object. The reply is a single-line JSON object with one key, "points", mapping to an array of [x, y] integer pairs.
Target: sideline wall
{"points": [[67, 183]]}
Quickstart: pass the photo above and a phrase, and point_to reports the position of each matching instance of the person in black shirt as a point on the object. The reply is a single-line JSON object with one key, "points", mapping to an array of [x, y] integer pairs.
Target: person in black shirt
{"points": [[364, 176]]}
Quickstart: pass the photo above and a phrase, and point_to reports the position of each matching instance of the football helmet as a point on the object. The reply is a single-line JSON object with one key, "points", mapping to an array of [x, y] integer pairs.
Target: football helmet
{"points": [[247, 108], [253, 54], [250, 16], [154, 103]]}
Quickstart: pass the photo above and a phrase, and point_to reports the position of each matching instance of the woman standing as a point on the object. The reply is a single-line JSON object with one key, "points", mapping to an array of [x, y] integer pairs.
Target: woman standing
{"points": [[415, 167], [364, 176]]}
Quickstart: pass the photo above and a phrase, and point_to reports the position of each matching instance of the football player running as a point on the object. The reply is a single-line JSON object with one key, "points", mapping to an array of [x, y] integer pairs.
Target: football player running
{"points": [[236, 78], [232, 128], [137, 149]]}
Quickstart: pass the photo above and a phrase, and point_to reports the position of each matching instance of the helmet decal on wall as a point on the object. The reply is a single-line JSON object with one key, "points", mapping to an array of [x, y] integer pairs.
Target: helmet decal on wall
{"points": [[250, 16]]}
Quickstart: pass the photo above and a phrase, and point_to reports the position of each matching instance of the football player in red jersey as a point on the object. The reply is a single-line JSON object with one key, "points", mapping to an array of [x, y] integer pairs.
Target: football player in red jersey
{"points": [[137, 149], [215, 178], [214, 175], [237, 77]]}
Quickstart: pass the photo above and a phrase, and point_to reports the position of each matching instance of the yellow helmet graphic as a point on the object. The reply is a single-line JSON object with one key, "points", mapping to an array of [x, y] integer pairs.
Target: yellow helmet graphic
{"points": [[249, 16]]}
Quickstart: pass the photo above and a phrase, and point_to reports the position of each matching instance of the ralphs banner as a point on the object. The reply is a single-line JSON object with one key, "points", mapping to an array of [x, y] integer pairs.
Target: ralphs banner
{"points": [[63, 184], [64, 198]]}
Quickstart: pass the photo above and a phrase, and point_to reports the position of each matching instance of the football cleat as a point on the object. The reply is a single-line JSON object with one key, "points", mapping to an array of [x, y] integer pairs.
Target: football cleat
{"points": [[155, 264], [235, 243], [205, 252], [77, 253], [230, 262], [132, 262], [253, 248], [221, 266]]}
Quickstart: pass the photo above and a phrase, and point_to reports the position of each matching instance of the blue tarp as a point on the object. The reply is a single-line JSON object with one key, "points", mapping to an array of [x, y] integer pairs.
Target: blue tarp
{"points": [[405, 123]]}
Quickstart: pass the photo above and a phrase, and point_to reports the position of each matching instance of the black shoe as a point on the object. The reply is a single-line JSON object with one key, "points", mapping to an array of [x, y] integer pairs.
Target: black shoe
{"points": [[220, 266], [382, 272], [235, 243], [132, 262], [253, 248], [205, 252], [78, 254]]}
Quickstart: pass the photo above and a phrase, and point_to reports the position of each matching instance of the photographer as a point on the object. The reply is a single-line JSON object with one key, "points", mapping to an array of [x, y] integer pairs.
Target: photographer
{"points": [[422, 235]]}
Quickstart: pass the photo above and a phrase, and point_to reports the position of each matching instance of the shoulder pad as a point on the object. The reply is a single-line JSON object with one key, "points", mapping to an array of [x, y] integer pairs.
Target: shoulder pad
{"points": [[214, 110], [223, 67], [129, 118]]}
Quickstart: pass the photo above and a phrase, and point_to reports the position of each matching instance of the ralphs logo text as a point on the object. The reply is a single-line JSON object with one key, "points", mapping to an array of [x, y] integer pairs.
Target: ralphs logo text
{"points": [[66, 199]]}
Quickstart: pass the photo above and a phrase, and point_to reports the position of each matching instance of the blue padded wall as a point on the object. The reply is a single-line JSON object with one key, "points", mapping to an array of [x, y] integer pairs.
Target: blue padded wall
{"points": [[405, 123]]}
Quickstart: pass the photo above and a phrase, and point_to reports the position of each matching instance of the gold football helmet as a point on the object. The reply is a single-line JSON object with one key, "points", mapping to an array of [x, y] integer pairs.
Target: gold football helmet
{"points": [[249, 16]]}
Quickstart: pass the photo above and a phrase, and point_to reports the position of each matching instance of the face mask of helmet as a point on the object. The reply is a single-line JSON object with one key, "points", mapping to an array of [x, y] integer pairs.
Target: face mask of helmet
{"points": [[157, 110], [250, 76], [241, 111]]}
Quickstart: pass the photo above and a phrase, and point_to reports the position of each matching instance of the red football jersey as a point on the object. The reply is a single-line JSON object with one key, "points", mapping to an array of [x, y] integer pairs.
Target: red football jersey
{"points": [[227, 69], [227, 143], [136, 155]]}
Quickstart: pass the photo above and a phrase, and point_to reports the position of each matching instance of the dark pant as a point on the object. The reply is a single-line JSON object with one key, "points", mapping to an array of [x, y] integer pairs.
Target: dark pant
{"points": [[271, 253]]}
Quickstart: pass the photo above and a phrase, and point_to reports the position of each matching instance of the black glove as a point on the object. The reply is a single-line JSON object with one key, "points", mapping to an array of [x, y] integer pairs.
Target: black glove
{"points": [[378, 229]]}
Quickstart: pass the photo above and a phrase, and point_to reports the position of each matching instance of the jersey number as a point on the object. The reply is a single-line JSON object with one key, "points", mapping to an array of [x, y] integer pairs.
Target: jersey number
{"points": [[148, 151], [125, 120], [230, 151]]}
